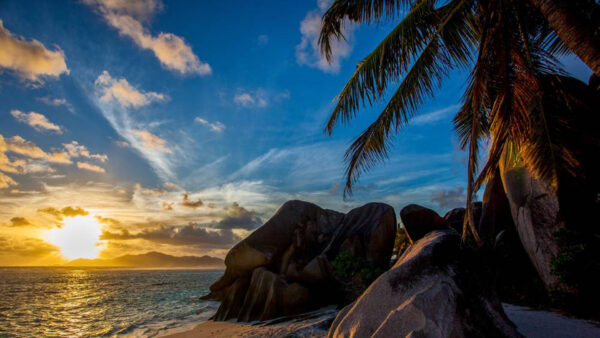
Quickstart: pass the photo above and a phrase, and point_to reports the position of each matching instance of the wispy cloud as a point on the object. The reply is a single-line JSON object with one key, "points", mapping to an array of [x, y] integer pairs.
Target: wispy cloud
{"points": [[216, 126], [56, 102], [247, 100], [90, 167], [171, 50], [35, 120], [434, 116], [30, 60], [259, 98], [152, 141], [308, 52]]}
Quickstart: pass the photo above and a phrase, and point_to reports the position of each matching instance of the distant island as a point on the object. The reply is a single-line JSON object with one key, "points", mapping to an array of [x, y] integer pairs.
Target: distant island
{"points": [[151, 260]]}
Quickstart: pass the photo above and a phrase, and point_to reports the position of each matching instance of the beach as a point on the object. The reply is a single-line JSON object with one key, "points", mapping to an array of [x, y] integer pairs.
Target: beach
{"points": [[530, 323]]}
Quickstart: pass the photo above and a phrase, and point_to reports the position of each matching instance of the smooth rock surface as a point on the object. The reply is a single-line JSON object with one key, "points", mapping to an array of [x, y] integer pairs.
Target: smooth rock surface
{"points": [[419, 221], [430, 292]]}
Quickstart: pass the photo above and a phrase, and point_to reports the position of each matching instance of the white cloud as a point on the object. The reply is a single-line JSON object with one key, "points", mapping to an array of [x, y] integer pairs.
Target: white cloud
{"points": [[308, 52], [37, 121], [433, 116], [216, 127], [259, 98], [171, 50], [111, 89], [90, 167], [57, 102], [30, 60]]}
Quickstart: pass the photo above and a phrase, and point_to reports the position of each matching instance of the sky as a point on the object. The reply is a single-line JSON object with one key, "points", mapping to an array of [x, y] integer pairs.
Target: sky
{"points": [[181, 126]]}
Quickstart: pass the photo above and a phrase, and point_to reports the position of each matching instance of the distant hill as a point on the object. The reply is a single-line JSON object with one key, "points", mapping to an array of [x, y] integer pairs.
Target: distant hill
{"points": [[152, 260]]}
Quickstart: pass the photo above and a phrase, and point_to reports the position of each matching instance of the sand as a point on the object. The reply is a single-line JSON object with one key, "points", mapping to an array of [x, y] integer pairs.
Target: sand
{"points": [[531, 323]]}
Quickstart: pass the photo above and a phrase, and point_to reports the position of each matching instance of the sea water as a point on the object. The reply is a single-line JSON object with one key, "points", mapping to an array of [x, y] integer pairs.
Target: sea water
{"points": [[97, 302]]}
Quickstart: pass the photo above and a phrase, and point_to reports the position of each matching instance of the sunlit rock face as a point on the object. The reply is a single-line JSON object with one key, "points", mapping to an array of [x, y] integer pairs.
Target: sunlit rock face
{"points": [[286, 266], [430, 292]]}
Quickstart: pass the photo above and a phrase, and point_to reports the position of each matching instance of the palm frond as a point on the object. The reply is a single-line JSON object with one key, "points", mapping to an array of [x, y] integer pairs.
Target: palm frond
{"points": [[356, 11]]}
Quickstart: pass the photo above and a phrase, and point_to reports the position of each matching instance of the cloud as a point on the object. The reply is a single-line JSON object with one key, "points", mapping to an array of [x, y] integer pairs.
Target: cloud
{"points": [[166, 206], [262, 39], [143, 10], [108, 220], [148, 191], [433, 116], [450, 198], [6, 181], [67, 211], [152, 141], [90, 167], [172, 186], [30, 60], [56, 102], [36, 160], [111, 89], [189, 203], [308, 52], [19, 222], [123, 144], [191, 234], [171, 50], [238, 217], [25, 247], [251, 100], [259, 98], [19, 145], [37, 121], [79, 150], [216, 127]]}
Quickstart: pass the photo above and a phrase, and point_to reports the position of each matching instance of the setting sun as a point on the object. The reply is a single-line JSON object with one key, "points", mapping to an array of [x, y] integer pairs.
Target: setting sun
{"points": [[78, 238]]}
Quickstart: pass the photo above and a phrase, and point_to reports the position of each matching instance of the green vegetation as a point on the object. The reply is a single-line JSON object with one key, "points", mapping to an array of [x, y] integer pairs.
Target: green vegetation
{"points": [[401, 242], [348, 267]]}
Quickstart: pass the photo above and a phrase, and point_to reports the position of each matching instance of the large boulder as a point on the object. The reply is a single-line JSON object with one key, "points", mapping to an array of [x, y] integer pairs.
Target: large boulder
{"points": [[287, 266], [536, 214], [436, 289], [419, 221]]}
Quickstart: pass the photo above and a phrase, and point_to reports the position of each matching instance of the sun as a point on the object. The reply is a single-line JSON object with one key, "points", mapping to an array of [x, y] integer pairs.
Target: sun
{"points": [[78, 238]]}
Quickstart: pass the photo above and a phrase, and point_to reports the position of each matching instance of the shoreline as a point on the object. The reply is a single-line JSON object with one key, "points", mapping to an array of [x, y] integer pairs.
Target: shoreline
{"points": [[530, 322]]}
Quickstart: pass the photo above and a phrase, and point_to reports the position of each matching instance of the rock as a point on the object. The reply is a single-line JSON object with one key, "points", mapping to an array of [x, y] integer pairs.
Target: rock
{"points": [[434, 290], [419, 221], [455, 219], [366, 231], [536, 214], [285, 267]]}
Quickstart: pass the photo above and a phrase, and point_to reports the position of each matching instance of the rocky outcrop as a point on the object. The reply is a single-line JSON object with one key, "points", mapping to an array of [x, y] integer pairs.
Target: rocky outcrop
{"points": [[287, 267], [419, 221], [430, 292], [536, 215]]}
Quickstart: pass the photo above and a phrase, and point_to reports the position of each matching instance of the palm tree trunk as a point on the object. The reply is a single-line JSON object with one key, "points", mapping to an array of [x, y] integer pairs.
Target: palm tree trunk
{"points": [[574, 30]]}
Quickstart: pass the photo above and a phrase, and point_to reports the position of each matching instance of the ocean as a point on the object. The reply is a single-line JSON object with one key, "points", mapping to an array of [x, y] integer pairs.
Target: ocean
{"points": [[99, 302]]}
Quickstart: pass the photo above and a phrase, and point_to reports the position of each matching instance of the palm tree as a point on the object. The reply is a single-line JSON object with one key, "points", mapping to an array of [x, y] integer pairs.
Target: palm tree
{"points": [[578, 25], [507, 45]]}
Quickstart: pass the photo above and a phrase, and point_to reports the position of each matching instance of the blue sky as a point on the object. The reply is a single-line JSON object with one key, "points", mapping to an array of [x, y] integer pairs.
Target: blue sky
{"points": [[223, 101]]}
